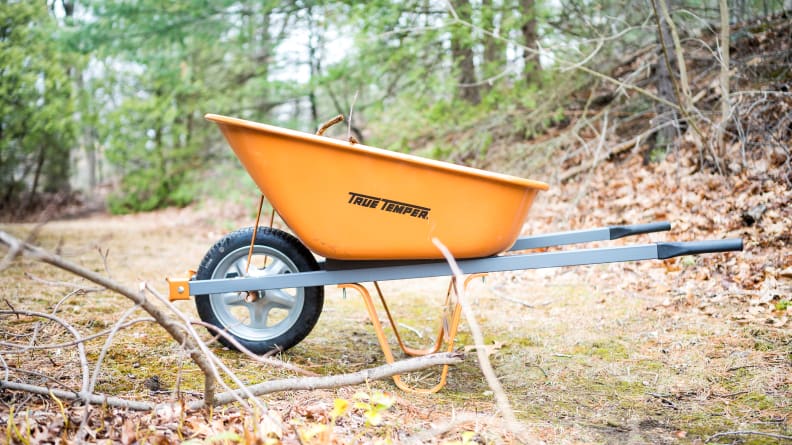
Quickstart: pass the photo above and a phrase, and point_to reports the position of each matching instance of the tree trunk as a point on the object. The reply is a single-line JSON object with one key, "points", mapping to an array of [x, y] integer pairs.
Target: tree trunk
{"points": [[494, 49], [664, 69], [530, 40], [462, 55], [314, 68], [724, 78]]}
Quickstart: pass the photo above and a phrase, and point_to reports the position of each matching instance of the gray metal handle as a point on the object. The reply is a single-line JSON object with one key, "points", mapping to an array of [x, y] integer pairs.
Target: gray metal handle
{"points": [[617, 232], [670, 250]]}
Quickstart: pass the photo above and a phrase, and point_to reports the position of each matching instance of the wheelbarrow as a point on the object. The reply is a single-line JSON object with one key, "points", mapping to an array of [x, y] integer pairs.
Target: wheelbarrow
{"points": [[371, 215]]}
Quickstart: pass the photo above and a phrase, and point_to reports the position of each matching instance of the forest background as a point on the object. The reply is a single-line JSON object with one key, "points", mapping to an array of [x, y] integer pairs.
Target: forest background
{"points": [[107, 97]]}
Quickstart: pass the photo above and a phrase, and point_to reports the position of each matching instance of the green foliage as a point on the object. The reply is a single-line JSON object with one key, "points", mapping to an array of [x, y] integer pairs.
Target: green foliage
{"points": [[36, 105], [129, 82]]}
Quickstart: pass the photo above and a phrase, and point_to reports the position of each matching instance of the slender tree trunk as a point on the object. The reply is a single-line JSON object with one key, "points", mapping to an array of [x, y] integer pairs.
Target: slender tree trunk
{"points": [[724, 77], [463, 57], [266, 51], [314, 68], [664, 69], [530, 40], [494, 49], [37, 174]]}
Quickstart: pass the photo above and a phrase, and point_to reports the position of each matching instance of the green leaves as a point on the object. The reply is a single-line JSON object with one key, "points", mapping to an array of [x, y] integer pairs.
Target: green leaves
{"points": [[36, 106]]}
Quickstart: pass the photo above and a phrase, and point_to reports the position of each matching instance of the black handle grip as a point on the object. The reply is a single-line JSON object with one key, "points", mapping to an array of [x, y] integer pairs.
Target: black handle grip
{"points": [[670, 250], [617, 232]]}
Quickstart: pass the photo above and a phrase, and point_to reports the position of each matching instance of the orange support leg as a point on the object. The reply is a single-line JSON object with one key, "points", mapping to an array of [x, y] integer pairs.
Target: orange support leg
{"points": [[451, 316]]}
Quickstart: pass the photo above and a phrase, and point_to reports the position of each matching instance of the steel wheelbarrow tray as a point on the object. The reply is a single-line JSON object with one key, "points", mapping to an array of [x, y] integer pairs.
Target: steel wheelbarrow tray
{"points": [[373, 214], [353, 202]]}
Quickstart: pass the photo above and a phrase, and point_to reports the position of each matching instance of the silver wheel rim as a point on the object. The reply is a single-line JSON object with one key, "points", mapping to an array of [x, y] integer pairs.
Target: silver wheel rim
{"points": [[274, 312]]}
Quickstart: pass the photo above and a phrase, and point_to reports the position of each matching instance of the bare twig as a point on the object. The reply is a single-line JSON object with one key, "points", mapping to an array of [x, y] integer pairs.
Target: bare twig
{"points": [[523, 303], [257, 358], [724, 76], [335, 381], [213, 361], [37, 374], [328, 124], [20, 348], [175, 330], [748, 433], [104, 256], [5, 367], [80, 346], [600, 145], [350, 138], [79, 288], [95, 399], [478, 338]]}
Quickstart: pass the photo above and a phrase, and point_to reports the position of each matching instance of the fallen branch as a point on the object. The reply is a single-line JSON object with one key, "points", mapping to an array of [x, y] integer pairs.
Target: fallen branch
{"points": [[84, 388], [292, 384], [96, 399], [174, 329], [335, 381], [748, 433]]}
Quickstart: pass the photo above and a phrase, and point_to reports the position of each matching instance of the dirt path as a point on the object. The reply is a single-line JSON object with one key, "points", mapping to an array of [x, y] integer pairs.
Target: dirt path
{"points": [[653, 352]]}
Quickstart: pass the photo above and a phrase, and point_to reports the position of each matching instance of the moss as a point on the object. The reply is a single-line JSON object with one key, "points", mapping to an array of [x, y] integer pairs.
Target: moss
{"points": [[531, 341], [650, 365], [608, 350], [757, 401]]}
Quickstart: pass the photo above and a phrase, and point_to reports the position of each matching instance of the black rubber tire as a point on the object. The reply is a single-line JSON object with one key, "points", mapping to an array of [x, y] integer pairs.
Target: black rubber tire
{"points": [[217, 309]]}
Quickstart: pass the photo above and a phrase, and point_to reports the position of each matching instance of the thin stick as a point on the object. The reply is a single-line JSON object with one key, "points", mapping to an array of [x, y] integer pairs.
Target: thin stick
{"points": [[329, 124], [255, 232], [335, 381], [5, 367], [481, 352], [351, 110], [21, 349], [748, 433], [96, 399], [75, 286], [75, 333], [260, 359], [214, 361]]}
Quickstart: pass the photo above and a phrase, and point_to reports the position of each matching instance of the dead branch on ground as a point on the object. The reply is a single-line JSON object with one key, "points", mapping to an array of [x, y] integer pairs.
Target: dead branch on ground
{"points": [[183, 333], [171, 327], [269, 387], [748, 433]]}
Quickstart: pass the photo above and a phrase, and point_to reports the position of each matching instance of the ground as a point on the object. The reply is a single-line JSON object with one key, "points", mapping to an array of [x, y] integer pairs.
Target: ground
{"points": [[668, 351]]}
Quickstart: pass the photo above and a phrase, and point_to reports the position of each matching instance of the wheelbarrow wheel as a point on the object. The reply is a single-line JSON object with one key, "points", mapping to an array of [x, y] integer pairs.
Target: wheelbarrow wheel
{"points": [[266, 319]]}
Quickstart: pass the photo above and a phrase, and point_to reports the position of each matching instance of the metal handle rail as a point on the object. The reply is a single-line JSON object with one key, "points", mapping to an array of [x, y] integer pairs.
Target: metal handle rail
{"points": [[339, 272], [588, 235]]}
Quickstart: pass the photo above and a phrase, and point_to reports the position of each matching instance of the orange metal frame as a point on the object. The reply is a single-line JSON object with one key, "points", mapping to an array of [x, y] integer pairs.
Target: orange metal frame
{"points": [[449, 324]]}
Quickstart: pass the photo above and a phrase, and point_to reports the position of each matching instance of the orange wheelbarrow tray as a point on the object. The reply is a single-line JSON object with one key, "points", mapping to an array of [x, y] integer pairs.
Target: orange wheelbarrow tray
{"points": [[371, 215]]}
